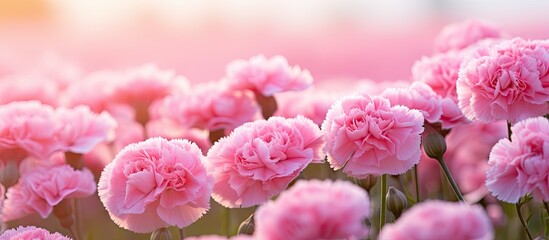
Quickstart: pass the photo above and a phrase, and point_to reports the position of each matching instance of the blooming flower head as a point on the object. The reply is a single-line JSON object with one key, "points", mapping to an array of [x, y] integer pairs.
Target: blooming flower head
{"points": [[366, 135], [79, 129], [315, 210], [31, 232], [156, 183], [417, 96], [259, 159], [39, 190], [510, 83], [519, 166], [434, 219], [311, 103], [440, 72], [460, 35], [266, 76], [29, 126]]}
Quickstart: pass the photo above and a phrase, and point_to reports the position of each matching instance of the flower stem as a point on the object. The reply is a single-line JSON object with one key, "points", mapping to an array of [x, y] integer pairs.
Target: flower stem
{"points": [[77, 217], [524, 224], [416, 181], [383, 208], [181, 233], [546, 207], [225, 222], [509, 132], [450, 179]]}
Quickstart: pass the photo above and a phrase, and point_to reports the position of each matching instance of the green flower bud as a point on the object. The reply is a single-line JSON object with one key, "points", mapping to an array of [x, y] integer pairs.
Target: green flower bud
{"points": [[247, 226], [367, 183], [396, 201], [161, 234], [433, 142]]}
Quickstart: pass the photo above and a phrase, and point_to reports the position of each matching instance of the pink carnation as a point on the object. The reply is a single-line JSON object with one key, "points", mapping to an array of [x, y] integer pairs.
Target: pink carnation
{"points": [[315, 210], [79, 129], [451, 114], [440, 72], [520, 166], [417, 96], [434, 220], [41, 189], [209, 106], [29, 126], [156, 183], [266, 76], [510, 83], [259, 159], [311, 103], [94, 90], [460, 35], [367, 136], [31, 232], [26, 87], [170, 129]]}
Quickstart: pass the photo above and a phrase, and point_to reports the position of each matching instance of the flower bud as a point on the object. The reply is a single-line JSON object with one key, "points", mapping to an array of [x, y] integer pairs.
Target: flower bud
{"points": [[433, 142], [247, 226], [161, 234], [367, 183], [396, 201]]}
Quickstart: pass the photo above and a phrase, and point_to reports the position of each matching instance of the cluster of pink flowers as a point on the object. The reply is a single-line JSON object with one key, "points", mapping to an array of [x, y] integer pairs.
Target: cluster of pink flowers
{"points": [[31, 232]]}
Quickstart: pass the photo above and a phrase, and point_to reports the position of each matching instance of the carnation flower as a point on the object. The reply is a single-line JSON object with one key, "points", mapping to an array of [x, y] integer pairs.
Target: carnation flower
{"points": [[259, 159], [460, 35], [440, 72], [311, 103], [154, 184], [367, 136], [434, 219], [27, 87], [31, 232], [510, 83], [266, 76], [315, 210], [40, 189], [519, 166], [417, 96]]}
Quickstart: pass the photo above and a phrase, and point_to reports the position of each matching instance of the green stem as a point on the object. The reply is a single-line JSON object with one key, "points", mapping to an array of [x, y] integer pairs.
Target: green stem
{"points": [[383, 208], [225, 222], [450, 179], [181, 233], [416, 181], [546, 207], [524, 225], [77, 219]]}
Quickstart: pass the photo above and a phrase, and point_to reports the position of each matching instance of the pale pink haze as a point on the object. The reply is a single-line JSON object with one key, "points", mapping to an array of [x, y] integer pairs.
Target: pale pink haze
{"points": [[259, 159], [440, 220], [79, 129], [266, 76], [29, 126], [31, 232], [460, 35], [39, 190], [209, 106], [26, 87], [417, 96], [519, 166], [156, 183], [366, 135], [315, 209], [510, 83]]}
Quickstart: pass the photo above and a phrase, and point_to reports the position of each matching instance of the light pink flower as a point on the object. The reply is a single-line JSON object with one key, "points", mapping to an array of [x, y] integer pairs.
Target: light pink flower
{"points": [[170, 129], [94, 90], [266, 76], [315, 210], [31, 232], [460, 35], [451, 114], [417, 96], [156, 183], [79, 129], [311, 103], [39, 190], [27, 87], [434, 219], [367, 136], [510, 83], [440, 72], [520, 166], [29, 126], [259, 159], [209, 106]]}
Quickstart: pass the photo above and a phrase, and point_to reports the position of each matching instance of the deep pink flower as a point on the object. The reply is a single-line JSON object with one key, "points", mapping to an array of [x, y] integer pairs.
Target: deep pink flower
{"points": [[209, 106], [315, 210], [417, 96], [434, 219], [79, 129], [266, 76], [156, 183], [29, 126], [520, 166], [510, 83], [367, 136], [39, 190], [259, 159], [31, 232], [460, 35]]}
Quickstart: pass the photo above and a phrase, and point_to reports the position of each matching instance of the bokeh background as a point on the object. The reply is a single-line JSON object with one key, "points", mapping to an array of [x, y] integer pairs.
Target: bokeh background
{"points": [[337, 40]]}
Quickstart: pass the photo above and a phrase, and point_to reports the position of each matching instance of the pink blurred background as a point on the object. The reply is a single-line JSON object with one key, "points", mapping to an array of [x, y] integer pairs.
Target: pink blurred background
{"points": [[345, 39]]}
